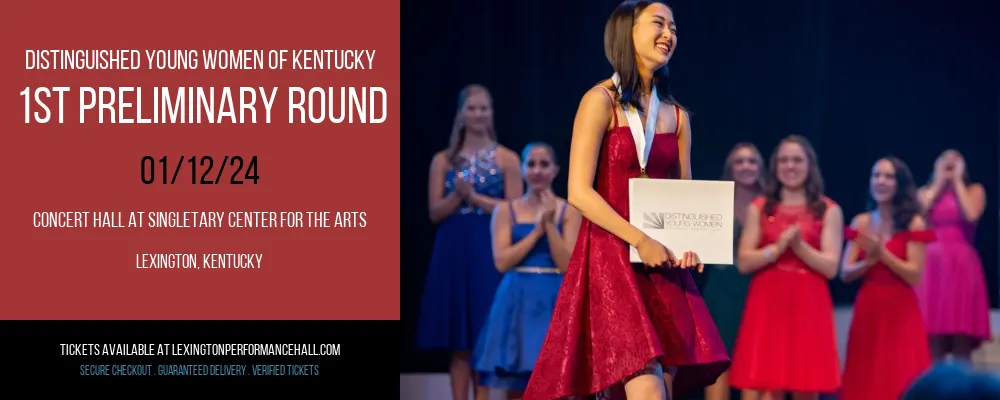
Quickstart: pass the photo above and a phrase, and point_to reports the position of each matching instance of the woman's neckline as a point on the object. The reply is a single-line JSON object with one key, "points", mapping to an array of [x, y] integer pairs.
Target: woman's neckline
{"points": [[626, 127], [470, 154]]}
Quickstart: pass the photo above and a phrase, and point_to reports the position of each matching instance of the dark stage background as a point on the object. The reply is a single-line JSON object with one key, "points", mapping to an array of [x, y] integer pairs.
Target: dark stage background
{"points": [[859, 78]]}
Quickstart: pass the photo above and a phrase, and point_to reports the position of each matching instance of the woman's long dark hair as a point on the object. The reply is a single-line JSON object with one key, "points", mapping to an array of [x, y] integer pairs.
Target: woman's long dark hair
{"points": [[813, 183], [904, 202], [620, 50]]}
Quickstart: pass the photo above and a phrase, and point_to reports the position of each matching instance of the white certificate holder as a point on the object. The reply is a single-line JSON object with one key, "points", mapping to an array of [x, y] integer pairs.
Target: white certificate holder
{"points": [[685, 215]]}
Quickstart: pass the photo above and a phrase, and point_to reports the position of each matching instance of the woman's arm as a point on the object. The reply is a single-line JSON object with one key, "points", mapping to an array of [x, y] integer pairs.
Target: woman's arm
{"points": [[513, 186], [851, 267], [971, 198], [592, 119], [927, 194], [825, 259], [684, 144], [750, 258], [912, 268], [440, 206], [505, 254], [561, 246]]}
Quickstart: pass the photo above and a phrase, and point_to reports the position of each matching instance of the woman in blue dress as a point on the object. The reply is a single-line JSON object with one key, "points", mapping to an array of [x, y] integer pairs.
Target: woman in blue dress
{"points": [[533, 238], [467, 181]]}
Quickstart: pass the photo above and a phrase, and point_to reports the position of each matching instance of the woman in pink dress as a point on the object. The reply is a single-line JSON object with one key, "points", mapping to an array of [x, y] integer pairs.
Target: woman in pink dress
{"points": [[623, 330], [953, 292]]}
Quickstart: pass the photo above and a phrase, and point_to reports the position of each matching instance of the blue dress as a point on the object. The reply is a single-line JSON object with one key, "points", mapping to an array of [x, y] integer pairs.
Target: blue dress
{"points": [[462, 276], [522, 309]]}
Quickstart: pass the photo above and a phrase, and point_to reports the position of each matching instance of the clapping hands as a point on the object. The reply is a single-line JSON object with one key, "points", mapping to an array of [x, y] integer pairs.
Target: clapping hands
{"points": [[463, 187], [547, 214], [871, 245], [791, 236]]}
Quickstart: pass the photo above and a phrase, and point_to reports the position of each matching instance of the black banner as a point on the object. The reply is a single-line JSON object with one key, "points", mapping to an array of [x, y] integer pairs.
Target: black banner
{"points": [[336, 354]]}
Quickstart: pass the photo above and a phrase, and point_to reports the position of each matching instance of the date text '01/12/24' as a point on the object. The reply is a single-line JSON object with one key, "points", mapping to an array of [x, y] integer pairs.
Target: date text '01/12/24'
{"points": [[204, 168]]}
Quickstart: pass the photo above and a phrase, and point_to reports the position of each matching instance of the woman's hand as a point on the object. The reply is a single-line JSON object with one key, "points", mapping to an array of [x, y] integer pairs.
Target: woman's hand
{"points": [[959, 172], [691, 260], [548, 211], [871, 245], [790, 236], [654, 254], [463, 187], [941, 174]]}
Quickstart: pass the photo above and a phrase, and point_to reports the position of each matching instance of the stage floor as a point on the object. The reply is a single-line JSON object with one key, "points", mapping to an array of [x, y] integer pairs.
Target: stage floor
{"points": [[436, 386]]}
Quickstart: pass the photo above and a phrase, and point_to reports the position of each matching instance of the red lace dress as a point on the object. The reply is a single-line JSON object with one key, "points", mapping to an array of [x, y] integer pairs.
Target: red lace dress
{"points": [[787, 341], [610, 321], [887, 348]]}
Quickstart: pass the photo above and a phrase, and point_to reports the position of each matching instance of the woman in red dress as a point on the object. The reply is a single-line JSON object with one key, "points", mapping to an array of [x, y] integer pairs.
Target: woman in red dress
{"points": [[621, 330], [887, 348], [791, 243]]}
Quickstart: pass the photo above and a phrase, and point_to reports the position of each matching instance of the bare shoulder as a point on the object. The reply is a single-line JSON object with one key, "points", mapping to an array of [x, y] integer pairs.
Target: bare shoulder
{"points": [[502, 211], [507, 156], [563, 203], [918, 223], [596, 108], [440, 160], [830, 203], [977, 188], [862, 220], [606, 84], [683, 115], [833, 209], [567, 212], [598, 96]]}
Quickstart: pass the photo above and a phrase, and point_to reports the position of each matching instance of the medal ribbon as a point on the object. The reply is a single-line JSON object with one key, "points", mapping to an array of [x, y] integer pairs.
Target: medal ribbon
{"points": [[643, 140]]}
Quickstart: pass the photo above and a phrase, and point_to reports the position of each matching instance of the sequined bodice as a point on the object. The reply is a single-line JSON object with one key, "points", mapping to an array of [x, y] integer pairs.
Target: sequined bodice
{"points": [[481, 169]]}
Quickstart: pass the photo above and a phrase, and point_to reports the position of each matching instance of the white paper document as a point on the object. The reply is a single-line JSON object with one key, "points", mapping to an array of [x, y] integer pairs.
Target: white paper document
{"points": [[685, 215]]}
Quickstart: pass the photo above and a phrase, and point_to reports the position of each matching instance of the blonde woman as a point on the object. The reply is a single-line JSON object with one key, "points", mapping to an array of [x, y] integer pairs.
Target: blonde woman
{"points": [[467, 181]]}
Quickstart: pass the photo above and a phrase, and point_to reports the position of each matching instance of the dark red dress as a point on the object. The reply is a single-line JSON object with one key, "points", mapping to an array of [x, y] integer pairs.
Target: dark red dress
{"points": [[787, 341], [887, 348], [609, 320]]}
